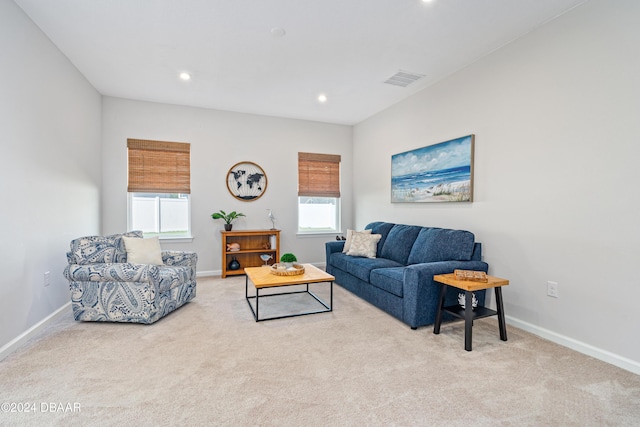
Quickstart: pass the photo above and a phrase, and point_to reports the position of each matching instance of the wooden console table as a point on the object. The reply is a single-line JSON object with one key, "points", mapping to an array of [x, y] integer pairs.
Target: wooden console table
{"points": [[253, 243], [468, 313]]}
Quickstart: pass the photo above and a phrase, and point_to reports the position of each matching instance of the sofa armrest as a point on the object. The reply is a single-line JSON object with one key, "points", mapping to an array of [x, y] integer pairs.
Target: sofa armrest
{"points": [[110, 272], [420, 290], [181, 258], [334, 246]]}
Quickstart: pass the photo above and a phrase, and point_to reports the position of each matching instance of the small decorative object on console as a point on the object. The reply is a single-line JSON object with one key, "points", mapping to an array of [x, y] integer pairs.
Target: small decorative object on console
{"points": [[234, 264], [228, 218], [472, 275], [272, 218], [266, 258], [233, 247]]}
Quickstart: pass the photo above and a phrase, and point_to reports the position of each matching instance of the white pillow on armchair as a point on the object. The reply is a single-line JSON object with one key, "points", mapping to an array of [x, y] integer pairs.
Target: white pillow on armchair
{"points": [[143, 251]]}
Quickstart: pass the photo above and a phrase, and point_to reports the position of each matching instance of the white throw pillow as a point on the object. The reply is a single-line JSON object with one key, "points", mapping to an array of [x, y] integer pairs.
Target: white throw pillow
{"points": [[143, 251], [364, 245], [347, 242]]}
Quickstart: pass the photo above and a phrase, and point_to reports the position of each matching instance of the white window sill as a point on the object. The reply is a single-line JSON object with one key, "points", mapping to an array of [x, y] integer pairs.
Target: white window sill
{"points": [[320, 234], [183, 239]]}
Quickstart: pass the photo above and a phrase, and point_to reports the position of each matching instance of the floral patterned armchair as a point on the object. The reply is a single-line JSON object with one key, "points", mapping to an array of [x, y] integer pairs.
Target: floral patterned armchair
{"points": [[105, 287]]}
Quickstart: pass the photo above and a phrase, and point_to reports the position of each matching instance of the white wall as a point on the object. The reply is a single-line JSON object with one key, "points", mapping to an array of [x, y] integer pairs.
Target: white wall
{"points": [[556, 116], [219, 140], [50, 174]]}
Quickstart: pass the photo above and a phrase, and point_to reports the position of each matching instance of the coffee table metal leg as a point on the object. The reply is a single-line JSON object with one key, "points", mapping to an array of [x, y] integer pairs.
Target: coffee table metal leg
{"points": [[248, 298], [500, 309], [257, 302], [331, 295], [468, 319]]}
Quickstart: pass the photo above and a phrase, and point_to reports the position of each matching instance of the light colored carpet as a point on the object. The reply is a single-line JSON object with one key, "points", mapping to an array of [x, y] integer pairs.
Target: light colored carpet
{"points": [[210, 363]]}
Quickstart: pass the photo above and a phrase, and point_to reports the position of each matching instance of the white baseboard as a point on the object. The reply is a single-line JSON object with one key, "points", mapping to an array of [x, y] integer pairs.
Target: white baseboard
{"points": [[589, 350], [209, 273], [21, 339]]}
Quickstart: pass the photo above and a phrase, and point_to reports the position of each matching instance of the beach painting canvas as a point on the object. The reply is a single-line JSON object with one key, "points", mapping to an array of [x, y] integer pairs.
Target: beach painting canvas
{"points": [[437, 173]]}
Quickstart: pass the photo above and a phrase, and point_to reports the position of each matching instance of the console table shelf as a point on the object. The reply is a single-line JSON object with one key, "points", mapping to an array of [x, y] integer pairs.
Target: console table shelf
{"points": [[478, 312], [253, 243]]}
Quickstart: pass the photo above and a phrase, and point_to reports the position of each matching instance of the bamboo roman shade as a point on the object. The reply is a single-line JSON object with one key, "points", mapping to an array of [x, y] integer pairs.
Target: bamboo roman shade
{"points": [[159, 167], [318, 175]]}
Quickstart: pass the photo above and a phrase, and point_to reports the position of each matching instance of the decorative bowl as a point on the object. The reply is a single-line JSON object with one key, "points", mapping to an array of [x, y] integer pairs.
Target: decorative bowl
{"points": [[279, 269]]}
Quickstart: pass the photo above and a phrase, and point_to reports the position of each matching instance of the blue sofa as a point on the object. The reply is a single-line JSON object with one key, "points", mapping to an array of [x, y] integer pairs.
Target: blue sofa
{"points": [[399, 280]]}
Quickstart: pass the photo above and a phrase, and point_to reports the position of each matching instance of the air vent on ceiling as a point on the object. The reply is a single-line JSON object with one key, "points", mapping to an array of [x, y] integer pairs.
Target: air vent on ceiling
{"points": [[403, 78]]}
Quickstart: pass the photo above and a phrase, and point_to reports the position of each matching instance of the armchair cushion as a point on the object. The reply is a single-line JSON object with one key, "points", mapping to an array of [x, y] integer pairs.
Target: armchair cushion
{"points": [[143, 251]]}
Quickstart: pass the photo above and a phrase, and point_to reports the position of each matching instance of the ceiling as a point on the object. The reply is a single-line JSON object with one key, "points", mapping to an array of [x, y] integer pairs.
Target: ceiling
{"points": [[345, 49]]}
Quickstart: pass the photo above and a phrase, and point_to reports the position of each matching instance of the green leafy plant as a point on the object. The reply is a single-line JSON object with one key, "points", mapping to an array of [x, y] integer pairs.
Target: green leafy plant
{"points": [[288, 257], [227, 217]]}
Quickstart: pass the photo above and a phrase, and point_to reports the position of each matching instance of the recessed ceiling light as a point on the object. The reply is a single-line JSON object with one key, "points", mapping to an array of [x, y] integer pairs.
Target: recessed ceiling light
{"points": [[278, 32], [322, 98], [185, 76]]}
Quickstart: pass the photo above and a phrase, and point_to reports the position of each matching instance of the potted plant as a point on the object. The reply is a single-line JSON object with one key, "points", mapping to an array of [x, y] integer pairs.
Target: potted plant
{"points": [[227, 217], [288, 259]]}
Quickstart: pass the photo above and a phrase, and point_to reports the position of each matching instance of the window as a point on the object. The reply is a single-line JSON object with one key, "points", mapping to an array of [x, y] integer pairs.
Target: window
{"points": [[318, 193], [159, 188]]}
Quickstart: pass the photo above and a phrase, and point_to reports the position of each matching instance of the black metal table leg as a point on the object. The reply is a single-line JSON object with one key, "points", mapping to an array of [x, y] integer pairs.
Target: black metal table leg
{"points": [[436, 325], [468, 319], [331, 295], [256, 311], [500, 309]]}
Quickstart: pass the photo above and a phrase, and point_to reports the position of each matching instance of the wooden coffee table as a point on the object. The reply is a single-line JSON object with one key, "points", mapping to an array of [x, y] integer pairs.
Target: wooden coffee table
{"points": [[262, 278], [469, 313]]}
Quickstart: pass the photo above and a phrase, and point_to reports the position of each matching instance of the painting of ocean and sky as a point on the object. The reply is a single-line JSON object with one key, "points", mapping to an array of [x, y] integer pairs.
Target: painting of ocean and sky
{"points": [[437, 173]]}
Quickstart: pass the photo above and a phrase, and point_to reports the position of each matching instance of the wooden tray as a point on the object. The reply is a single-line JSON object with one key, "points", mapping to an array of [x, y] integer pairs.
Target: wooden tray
{"points": [[298, 270]]}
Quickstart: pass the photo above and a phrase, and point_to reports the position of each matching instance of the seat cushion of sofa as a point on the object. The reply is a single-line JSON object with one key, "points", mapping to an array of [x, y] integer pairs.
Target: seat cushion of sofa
{"points": [[388, 279], [439, 244], [360, 267], [399, 242]]}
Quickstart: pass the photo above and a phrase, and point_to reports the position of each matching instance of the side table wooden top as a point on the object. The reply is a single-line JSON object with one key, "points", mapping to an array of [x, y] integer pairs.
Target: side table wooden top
{"points": [[468, 285]]}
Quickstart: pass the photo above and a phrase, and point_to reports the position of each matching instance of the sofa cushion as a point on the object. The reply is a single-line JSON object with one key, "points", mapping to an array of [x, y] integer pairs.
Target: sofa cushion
{"points": [[438, 244], [381, 228], [399, 242], [349, 239], [99, 249], [359, 267], [364, 245], [388, 279]]}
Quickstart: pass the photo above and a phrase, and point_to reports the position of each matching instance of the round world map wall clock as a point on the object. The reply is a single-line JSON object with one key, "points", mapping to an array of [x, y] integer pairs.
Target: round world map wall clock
{"points": [[246, 181]]}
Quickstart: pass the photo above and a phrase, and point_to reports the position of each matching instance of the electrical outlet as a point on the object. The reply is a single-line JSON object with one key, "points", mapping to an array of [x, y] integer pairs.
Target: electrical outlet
{"points": [[47, 274], [552, 289]]}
